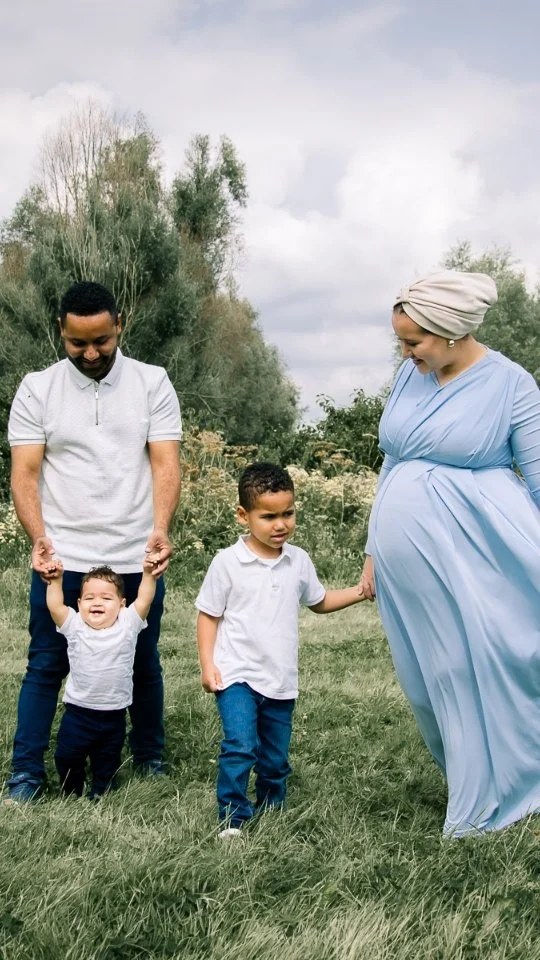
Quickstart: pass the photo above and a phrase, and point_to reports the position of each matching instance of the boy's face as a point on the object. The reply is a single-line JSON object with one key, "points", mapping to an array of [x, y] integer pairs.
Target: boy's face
{"points": [[99, 603], [271, 521]]}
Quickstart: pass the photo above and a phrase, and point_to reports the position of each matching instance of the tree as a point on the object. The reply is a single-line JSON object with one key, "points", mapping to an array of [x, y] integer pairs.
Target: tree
{"points": [[206, 200], [101, 211], [346, 437], [511, 326]]}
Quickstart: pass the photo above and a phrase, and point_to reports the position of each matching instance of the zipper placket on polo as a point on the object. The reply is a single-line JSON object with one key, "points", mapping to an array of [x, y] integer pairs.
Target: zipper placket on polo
{"points": [[96, 395]]}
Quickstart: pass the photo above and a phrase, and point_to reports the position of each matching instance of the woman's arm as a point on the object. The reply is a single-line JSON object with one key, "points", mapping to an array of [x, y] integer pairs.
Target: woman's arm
{"points": [[367, 580], [525, 435]]}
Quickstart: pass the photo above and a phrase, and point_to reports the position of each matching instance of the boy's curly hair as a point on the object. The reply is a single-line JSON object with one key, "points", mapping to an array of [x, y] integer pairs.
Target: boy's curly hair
{"points": [[260, 478]]}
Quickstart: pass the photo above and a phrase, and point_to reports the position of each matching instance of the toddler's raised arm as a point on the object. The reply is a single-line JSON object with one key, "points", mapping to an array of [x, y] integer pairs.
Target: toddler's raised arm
{"points": [[147, 589], [55, 594]]}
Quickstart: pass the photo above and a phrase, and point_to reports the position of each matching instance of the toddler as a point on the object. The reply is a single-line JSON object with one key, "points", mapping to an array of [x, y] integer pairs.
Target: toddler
{"points": [[101, 641]]}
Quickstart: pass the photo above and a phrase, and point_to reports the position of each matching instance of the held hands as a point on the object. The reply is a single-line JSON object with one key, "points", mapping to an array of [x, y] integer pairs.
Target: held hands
{"points": [[55, 570], [150, 563], [158, 551], [42, 553], [211, 679], [367, 580]]}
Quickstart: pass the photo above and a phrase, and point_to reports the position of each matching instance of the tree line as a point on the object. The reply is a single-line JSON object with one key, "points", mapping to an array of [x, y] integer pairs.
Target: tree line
{"points": [[99, 208]]}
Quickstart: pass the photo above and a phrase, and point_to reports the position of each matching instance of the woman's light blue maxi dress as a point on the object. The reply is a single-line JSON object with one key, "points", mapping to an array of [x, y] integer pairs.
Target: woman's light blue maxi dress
{"points": [[455, 539]]}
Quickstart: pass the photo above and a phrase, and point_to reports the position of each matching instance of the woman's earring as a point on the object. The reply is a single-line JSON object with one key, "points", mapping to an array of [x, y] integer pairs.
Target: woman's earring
{"points": [[451, 343]]}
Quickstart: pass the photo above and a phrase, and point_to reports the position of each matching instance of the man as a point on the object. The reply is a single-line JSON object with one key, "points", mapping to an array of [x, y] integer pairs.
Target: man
{"points": [[96, 478]]}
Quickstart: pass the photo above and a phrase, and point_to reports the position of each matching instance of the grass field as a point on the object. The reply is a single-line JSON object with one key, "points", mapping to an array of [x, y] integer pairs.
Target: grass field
{"points": [[354, 868]]}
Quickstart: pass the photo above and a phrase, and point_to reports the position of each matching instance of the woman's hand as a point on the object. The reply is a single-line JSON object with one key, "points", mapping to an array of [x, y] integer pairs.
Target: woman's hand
{"points": [[367, 580]]}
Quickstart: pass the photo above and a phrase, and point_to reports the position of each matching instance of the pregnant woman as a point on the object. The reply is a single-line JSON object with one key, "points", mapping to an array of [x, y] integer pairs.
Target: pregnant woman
{"points": [[454, 550]]}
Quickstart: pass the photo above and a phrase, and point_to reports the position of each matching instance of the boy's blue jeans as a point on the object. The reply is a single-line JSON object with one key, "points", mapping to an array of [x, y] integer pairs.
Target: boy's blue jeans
{"points": [[48, 665], [256, 734]]}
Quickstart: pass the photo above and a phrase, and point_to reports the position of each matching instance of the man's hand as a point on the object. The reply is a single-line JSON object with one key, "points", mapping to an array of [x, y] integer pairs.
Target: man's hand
{"points": [[42, 553], [158, 550], [211, 679]]}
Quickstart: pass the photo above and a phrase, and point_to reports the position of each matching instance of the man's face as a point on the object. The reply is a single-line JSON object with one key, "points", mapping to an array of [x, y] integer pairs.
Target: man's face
{"points": [[91, 342]]}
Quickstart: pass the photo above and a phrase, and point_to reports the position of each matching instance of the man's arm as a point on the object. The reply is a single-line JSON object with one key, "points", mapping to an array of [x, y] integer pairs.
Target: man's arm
{"points": [[26, 461], [206, 639], [147, 589], [165, 465], [55, 594], [339, 599]]}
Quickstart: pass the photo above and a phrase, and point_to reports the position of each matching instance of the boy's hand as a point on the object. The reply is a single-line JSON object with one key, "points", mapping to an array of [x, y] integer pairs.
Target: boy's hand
{"points": [[211, 679], [55, 570], [150, 562]]}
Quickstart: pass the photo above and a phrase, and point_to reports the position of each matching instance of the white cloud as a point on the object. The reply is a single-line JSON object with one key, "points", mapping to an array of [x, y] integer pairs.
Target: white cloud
{"points": [[406, 149], [26, 120]]}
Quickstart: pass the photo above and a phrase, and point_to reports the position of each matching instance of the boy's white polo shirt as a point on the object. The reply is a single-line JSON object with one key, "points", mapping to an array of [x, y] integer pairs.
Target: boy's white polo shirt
{"points": [[258, 600], [96, 481]]}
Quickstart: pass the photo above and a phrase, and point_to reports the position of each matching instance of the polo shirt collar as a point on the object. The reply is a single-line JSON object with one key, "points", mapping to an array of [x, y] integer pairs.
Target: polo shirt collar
{"points": [[245, 555], [111, 377]]}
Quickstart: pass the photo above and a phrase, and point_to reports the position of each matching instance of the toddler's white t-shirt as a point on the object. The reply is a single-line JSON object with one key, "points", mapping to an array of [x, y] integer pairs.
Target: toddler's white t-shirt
{"points": [[101, 661]]}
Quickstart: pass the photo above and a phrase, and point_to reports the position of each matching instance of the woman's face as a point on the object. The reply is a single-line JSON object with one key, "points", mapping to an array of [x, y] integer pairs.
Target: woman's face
{"points": [[427, 351]]}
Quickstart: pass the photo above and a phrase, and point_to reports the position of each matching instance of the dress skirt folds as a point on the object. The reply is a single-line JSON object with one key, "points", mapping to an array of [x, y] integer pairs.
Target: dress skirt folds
{"points": [[455, 539]]}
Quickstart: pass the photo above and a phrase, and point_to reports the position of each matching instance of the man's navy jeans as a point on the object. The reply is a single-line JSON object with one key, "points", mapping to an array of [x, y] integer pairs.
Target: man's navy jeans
{"points": [[48, 665], [256, 734]]}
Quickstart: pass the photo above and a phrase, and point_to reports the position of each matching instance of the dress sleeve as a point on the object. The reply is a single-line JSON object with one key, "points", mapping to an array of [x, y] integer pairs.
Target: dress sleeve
{"points": [[525, 433], [387, 466]]}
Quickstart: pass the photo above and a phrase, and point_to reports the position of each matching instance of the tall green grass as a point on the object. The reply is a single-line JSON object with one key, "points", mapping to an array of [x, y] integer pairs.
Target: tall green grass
{"points": [[354, 868]]}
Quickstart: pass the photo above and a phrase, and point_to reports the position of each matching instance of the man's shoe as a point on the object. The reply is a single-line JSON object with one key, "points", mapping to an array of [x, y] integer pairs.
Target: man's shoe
{"points": [[151, 768], [23, 788]]}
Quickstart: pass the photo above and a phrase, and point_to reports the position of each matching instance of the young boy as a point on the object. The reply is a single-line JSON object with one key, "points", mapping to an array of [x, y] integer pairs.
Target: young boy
{"points": [[247, 632], [101, 640]]}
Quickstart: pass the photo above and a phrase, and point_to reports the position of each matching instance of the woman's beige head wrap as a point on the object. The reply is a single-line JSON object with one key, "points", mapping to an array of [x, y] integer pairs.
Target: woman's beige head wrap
{"points": [[450, 304]]}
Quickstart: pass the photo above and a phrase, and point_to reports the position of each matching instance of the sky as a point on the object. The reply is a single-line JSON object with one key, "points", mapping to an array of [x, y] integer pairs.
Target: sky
{"points": [[375, 136]]}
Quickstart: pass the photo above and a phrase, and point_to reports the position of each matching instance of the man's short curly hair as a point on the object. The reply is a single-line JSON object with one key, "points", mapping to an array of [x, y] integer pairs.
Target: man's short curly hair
{"points": [[105, 573], [86, 299], [261, 478]]}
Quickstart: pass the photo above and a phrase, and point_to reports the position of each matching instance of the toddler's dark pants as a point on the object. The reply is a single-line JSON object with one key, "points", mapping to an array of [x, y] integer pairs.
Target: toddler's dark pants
{"points": [[97, 735]]}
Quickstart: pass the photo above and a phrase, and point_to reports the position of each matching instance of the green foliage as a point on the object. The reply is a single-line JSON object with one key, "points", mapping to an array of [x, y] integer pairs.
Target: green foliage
{"points": [[332, 511], [344, 437], [206, 199], [511, 326], [101, 212]]}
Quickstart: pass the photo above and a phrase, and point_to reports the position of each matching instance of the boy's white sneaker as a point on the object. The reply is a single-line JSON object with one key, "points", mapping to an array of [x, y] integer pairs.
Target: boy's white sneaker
{"points": [[229, 832]]}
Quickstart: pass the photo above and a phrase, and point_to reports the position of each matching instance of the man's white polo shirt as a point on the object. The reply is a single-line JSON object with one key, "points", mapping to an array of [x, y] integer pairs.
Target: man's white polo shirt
{"points": [[96, 482], [258, 601]]}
